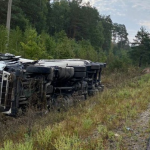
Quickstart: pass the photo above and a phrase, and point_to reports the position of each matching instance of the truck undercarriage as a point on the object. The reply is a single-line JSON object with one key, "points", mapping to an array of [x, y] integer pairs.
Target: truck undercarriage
{"points": [[45, 83]]}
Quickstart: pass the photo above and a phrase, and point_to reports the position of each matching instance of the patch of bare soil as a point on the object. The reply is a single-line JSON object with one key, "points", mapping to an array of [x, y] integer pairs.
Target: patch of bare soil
{"points": [[136, 137]]}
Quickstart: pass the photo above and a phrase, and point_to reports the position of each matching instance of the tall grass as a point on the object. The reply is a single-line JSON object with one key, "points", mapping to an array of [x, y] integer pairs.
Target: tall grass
{"points": [[91, 125]]}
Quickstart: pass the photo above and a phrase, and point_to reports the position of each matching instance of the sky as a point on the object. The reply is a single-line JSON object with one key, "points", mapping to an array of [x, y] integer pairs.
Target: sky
{"points": [[132, 13]]}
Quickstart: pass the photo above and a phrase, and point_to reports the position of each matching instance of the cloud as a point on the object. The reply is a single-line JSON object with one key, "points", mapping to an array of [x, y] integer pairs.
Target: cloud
{"points": [[145, 24], [136, 5], [141, 5], [92, 2], [120, 14], [109, 6], [120, 5]]}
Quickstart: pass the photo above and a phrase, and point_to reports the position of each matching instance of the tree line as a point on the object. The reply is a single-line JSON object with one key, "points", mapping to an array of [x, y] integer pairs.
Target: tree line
{"points": [[64, 29]]}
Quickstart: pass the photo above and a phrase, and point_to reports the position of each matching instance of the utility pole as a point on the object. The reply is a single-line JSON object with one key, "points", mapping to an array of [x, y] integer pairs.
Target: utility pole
{"points": [[8, 18]]}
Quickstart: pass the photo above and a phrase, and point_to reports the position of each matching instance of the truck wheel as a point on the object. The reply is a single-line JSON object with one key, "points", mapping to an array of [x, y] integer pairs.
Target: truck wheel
{"points": [[95, 66], [80, 74], [39, 69], [79, 68]]}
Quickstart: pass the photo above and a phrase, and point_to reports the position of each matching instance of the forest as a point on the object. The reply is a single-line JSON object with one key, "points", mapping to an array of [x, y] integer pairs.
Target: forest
{"points": [[70, 29]]}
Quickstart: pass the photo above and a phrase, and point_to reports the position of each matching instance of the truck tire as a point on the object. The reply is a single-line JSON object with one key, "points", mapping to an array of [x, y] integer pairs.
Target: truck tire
{"points": [[80, 74], [39, 69], [93, 67], [79, 68]]}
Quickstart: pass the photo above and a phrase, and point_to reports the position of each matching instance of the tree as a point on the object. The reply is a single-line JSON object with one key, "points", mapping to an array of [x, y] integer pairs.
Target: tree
{"points": [[18, 16], [3, 11], [63, 47], [16, 36], [87, 51], [58, 16], [91, 28], [107, 32], [36, 12], [120, 35], [97, 37], [3, 39], [75, 20], [32, 45], [141, 47]]}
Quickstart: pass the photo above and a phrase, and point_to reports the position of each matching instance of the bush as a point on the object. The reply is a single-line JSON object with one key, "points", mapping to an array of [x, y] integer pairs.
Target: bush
{"points": [[120, 61]]}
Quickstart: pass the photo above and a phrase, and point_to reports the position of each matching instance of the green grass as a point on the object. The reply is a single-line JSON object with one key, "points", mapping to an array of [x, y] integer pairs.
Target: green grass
{"points": [[92, 124]]}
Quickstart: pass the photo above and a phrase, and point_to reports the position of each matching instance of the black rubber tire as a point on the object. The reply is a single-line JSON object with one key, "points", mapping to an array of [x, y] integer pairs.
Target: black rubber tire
{"points": [[79, 68], [88, 67], [95, 66], [39, 69], [101, 65], [91, 71], [79, 74]]}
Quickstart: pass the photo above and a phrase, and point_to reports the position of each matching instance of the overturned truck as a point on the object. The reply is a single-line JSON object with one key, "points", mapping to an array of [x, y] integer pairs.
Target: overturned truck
{"points": [[45, 83]]}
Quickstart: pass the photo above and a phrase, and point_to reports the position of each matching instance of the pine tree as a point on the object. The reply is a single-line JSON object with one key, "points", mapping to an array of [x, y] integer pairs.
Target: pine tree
{"points": [[141, 47]]}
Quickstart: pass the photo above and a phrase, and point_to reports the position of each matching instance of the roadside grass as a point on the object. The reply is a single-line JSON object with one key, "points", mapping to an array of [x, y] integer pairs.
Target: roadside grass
{"points": [[91, 125]]}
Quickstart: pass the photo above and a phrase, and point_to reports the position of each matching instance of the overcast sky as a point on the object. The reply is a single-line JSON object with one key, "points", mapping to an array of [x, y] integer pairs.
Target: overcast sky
{"points": [[132, 13]]}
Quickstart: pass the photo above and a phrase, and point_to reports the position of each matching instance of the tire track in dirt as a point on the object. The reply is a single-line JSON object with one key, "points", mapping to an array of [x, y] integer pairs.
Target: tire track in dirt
{"points": [[138, 139]]}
